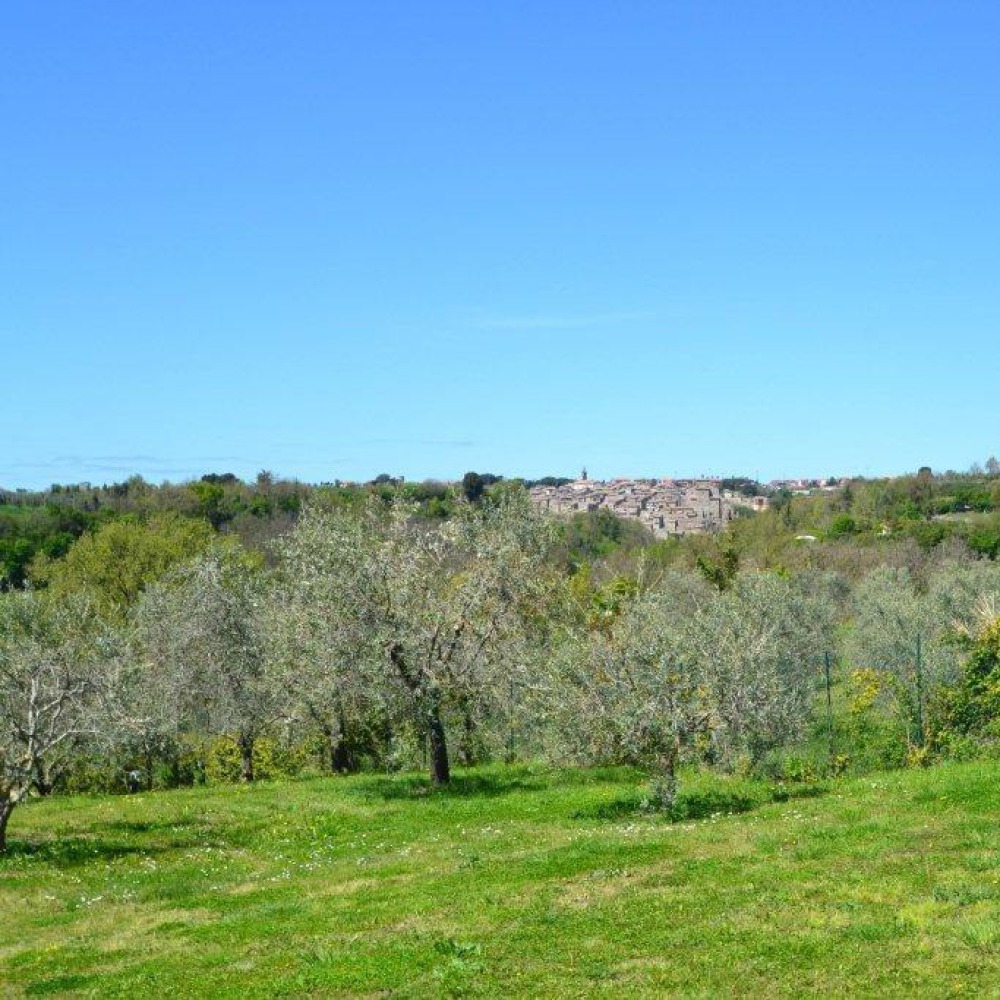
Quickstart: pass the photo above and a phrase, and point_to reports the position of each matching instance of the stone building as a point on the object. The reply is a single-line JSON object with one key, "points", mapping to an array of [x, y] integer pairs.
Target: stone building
{"points": [[668, 507]]}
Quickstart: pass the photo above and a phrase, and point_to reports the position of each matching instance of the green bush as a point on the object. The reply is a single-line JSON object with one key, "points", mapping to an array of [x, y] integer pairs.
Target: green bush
{"points": [[271, 758]]}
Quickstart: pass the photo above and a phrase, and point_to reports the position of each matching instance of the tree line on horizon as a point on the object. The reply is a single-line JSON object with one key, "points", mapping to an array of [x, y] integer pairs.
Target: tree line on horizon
{"points": [[922, 510]]}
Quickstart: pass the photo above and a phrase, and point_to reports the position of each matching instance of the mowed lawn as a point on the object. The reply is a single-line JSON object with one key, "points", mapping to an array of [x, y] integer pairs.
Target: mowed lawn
{"points": [[520, 882]]}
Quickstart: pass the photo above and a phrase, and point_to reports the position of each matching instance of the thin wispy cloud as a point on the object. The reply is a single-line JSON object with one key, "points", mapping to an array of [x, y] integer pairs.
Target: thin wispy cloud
{"points": [[115, 461], [69, 461], [420, 442]]}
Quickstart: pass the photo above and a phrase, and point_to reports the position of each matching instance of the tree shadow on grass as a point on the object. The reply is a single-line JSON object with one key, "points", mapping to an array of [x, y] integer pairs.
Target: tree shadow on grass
{"points": [[786, 793], [58, 984], [173, 826], [167, 834], [696, 805], [411, 786], [65, 852]]}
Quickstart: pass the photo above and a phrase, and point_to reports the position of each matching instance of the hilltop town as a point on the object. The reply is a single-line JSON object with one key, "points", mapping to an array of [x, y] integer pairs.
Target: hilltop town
{"points": [[667, 507]]}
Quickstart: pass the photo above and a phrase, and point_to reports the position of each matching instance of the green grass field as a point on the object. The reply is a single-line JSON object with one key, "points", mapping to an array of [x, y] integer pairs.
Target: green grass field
{"points": [[519, 882]]}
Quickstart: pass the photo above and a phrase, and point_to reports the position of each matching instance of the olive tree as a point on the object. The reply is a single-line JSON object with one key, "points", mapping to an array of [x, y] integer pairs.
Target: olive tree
{"points": [[907, 633], [435, 608], [625, 693], [686, 670], [201, 639], [759, 645], [317, 641], [58, 661]]}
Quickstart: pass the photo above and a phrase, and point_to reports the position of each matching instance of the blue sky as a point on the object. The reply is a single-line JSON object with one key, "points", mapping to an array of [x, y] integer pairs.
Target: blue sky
{"points": [[337, 239]]}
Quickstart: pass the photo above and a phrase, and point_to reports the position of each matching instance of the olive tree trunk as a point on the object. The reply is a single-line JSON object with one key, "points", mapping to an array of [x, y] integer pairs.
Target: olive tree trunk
{"points": [[6, 808], [246, 742], [341, 761], [440, 768], [665, 783]]}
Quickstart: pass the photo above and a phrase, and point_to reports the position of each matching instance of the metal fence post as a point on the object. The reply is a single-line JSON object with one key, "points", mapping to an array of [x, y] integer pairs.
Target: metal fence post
{"points": [[510, 724], [920, 695], [829, 702]]}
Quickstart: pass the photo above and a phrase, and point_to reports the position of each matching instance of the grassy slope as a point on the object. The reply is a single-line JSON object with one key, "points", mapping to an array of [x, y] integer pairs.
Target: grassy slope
{"points": [[525, 883]]}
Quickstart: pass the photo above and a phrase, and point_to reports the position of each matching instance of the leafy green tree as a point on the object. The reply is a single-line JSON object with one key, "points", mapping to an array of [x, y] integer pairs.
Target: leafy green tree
{"points": [[114, 564], [210, 496], [30, 531], [722, 573], [759, 644], [842, 525], [474, 485], [593, 535], [984, 538]]}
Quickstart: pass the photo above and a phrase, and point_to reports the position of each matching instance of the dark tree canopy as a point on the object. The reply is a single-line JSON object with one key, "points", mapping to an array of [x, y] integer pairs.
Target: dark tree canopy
{"points": [[474, 484]]}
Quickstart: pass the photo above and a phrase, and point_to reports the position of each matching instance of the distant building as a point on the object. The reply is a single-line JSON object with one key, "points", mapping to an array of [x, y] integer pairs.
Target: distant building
{"points": [[668, 507]]}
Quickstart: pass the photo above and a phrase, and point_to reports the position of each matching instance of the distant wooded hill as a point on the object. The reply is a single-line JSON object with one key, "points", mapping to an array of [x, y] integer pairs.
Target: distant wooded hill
{"points": [[875, 519]]}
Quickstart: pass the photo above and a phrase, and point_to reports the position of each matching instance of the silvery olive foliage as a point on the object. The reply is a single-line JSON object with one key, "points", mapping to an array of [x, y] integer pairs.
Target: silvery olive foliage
{"points": [[627, 694], [958, 592], [201, 639], [890, 616], [892, 613], [432, 614], [692, 672], [319, 648], [760, 645], [58, 664]]}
